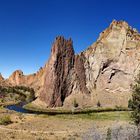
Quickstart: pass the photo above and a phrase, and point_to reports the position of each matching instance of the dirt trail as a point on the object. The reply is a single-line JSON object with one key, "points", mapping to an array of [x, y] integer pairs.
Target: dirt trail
{"points": [[43, 132]]}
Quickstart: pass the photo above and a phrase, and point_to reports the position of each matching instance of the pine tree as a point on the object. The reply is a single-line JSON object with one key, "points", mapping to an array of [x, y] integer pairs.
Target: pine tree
{"points": [[135, 101]]}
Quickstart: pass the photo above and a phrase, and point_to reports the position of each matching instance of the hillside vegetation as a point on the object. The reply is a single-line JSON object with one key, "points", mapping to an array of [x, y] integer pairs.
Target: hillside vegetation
{"points": [[10, 95]]}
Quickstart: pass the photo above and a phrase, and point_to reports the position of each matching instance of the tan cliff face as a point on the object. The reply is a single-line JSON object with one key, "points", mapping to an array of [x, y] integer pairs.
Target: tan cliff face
{"points": [[103, 72], [112, 63], [35, 80], [3, 81], [1, 77], [16, 78]]}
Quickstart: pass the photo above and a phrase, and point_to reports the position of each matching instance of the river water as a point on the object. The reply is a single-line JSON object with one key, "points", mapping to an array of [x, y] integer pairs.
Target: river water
{"points": [[19, 108]]}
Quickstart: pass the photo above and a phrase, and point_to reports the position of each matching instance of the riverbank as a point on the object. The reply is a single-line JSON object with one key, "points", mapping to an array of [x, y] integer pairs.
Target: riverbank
{"points": [[60, 110], [14, 95], [64, 126], [9, 103]]}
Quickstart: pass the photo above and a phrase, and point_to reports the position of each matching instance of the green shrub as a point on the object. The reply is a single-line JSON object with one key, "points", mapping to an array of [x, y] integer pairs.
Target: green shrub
{"points": [[130, 103], [75, 104], [5, 120], [24, 93], [98, 104], [108, 137], [119, 108]]}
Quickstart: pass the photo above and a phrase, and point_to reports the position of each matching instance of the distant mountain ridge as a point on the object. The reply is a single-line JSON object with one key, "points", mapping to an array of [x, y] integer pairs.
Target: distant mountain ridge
{"points": [[102, 73]]}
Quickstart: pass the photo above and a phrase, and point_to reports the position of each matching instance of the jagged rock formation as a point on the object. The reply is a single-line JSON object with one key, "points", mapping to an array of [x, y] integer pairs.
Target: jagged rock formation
{"points": [[58, 73], [103, 72], [16, 78], [112, 63], [1, 77], [2, 81]]}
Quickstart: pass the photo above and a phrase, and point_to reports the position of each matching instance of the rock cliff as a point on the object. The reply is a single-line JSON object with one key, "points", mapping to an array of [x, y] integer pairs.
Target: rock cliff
{"points": [[102, 73], [35, 80], [1, 77], [2, 81], [112, 63], [58, 73]]}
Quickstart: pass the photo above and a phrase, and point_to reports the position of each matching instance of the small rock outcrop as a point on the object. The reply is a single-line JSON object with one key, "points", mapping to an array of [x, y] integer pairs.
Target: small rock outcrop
{"points": [[1, 77], [16, 77]]}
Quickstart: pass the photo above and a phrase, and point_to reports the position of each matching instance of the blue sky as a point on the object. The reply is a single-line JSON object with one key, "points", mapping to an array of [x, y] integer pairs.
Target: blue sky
{"points": [[28, 27]]}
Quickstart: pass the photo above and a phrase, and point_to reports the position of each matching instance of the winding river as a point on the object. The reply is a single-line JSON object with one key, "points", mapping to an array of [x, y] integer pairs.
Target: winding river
{"points": [[19, 108]]}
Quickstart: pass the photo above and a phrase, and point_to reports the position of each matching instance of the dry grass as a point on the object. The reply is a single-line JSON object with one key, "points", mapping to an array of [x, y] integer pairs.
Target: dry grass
{"points": [[59, 127]]}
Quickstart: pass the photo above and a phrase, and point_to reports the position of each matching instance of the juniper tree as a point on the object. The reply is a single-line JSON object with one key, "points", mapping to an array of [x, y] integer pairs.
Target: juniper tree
{"points": [[134, 103]]}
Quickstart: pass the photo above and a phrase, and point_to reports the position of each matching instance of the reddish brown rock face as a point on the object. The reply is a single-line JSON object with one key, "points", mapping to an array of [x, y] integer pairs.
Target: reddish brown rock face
{"points": [[80, 73], [58, 73]]}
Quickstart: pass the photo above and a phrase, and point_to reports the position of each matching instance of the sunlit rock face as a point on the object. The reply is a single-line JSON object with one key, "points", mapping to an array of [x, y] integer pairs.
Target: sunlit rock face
{"points": [[112, 63], [3, 82], [1, 77], [16, 77], [102, 73], [35, 80]]}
